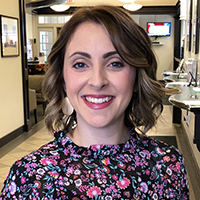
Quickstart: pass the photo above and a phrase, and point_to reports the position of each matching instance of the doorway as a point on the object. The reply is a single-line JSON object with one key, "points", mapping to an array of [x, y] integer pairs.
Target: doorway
{"points": [[46, 37]]}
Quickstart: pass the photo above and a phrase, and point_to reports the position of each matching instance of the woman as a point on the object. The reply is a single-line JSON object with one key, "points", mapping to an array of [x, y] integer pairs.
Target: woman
{"points": [[102, 63]]}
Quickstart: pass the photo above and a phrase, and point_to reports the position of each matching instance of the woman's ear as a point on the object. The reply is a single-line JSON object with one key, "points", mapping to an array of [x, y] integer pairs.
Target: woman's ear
{"points": [[64, 89]]}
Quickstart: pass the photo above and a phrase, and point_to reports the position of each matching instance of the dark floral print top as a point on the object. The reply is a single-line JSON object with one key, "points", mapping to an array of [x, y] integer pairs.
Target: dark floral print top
{"points": [[141, 168]]}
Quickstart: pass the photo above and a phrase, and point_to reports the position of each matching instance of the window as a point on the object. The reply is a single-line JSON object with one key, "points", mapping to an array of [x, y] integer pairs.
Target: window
{"points": [[53, 19]]}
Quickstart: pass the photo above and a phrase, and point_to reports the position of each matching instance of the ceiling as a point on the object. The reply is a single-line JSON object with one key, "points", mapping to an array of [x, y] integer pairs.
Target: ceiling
{"points": [[43, 5], [118, 3], [79, 3]]}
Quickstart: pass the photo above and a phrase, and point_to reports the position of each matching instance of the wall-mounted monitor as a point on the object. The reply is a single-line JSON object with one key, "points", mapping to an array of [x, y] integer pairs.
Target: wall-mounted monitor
{"points": [[159, 29]]}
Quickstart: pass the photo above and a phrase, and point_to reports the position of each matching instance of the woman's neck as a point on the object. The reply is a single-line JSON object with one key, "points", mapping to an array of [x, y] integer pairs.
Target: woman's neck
{"points": [[87, 136]]}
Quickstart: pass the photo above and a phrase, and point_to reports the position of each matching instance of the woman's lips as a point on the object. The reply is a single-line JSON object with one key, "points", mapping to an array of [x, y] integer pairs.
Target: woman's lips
{"points": [[98, 101]]}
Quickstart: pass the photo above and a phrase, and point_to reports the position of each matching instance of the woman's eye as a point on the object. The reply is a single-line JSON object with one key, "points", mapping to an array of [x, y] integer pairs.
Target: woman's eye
{"points": [[117, 64], [79, 65]]}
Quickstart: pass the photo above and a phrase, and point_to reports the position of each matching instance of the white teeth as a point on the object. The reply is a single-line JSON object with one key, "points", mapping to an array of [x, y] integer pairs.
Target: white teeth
{"points": [[98, 100]]}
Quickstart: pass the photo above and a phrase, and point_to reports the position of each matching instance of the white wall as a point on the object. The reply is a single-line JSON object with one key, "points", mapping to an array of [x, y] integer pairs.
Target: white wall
{"points": [[191, 54], [29, 26], [165, 52], [11, 101]]}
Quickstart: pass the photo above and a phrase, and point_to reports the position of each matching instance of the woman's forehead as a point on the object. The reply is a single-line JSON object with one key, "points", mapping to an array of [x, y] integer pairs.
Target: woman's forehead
{"points": [[89, 32]]}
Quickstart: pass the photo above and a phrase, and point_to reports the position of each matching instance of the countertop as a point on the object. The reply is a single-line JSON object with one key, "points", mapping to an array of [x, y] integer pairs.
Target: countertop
{"points": [[188, 97]]}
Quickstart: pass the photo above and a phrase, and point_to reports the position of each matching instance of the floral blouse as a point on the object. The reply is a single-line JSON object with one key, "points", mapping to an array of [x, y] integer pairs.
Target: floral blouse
{"points": [[141, 168]]}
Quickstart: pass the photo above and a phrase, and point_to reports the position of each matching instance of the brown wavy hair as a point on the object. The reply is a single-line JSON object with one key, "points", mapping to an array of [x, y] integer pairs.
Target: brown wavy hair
{"points": [[132, 44]]}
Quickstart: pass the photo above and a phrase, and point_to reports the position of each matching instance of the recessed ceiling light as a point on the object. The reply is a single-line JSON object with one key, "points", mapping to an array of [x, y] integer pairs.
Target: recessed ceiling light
{"points": [[60, 7], [127, 1], [132, 6]]}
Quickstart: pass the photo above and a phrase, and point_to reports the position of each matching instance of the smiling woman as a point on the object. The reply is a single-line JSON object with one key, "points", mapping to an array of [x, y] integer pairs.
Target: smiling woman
{"points": [[97, 95], [128, 46], [103, 64]]}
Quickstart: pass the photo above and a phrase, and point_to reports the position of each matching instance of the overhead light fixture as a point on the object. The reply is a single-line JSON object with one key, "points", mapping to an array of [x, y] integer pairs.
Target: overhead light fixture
{"points": [[127, 1], [60, 7], [132, 6]]}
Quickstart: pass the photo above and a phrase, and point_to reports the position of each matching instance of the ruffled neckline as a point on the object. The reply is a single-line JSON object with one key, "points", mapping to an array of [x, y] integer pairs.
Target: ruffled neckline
{"points": [[95, 150]]}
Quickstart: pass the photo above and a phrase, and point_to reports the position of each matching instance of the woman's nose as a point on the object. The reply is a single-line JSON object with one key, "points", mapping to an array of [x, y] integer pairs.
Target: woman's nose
{"points": [[98, 78]]}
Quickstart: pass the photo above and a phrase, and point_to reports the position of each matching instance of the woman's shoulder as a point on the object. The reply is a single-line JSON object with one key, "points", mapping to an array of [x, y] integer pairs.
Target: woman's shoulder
{"points": [[50, 150], [37, 158], [48, 155], [160, 151], [41, 163], [155, 145], [37, 165], [155, 149], [159, 145]]}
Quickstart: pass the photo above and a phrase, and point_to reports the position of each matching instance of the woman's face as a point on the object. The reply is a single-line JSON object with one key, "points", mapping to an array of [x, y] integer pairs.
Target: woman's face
{"points": [[99, 84]]}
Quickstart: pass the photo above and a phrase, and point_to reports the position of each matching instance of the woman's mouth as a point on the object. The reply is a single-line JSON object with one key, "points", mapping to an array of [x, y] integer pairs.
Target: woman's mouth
{"points": [[98, 102]]}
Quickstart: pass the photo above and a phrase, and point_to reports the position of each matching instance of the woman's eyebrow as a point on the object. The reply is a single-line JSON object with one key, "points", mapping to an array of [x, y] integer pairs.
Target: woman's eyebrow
{"points": [[106, 55], [81, 53]]}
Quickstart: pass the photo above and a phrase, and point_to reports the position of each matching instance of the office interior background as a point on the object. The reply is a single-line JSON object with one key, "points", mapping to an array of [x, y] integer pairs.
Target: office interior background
{"points": [[34, 22]]}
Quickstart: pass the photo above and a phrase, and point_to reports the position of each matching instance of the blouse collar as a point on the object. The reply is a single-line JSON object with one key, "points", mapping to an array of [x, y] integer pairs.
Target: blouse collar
{"points": [[95, 150]]}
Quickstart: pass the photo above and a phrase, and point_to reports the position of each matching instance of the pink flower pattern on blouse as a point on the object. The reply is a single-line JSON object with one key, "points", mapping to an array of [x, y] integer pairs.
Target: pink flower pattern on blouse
{"points": [[141, 168]]}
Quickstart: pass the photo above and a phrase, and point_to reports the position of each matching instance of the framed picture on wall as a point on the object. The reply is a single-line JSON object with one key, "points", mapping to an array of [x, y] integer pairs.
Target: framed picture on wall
{"points": [[9, 36]]}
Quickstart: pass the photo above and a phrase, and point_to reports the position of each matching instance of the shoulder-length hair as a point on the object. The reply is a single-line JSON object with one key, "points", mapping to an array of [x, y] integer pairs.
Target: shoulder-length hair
{"points": [[132, 44]]}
